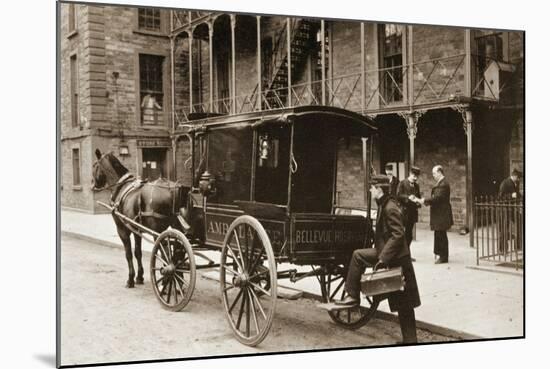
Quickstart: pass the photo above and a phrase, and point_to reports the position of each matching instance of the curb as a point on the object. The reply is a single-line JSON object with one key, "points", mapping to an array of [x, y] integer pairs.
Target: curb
{"points": [[433, 328], [99, 241]]}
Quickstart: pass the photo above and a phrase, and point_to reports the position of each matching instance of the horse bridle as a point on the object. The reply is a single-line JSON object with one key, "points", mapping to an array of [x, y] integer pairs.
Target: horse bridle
{"points": [[120, 181]]}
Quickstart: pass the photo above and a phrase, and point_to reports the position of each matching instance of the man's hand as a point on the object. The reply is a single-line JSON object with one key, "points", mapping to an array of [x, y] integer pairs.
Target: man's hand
{"points": [[514, 195]]}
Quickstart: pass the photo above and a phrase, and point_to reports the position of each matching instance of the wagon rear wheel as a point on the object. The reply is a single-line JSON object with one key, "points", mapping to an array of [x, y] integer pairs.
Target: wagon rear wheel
{"points": [[248, 276], [332, 288], [172, 270]]}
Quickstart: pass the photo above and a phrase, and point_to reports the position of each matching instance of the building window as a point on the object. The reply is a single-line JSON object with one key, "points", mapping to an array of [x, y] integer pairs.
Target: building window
{"points": [[489, 50], [391, 75], [74, 92], [151, 89], [76, 167], [149, 19], [72, 18]]}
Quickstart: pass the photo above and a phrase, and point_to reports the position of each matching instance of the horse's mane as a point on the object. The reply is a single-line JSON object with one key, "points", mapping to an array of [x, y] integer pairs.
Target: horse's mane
{"points": [[117, 165]]}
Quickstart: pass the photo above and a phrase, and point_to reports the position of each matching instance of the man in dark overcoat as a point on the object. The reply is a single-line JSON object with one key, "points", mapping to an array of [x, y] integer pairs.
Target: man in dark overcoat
{"points": [[508, 228], [441, 215], [408, 195], [394, 182], [390, 250], [509, 187]]}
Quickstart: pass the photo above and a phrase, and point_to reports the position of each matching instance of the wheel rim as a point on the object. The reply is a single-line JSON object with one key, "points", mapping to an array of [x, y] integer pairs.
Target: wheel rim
{"points": [[172, 270], [351, 318], [248, 280]]}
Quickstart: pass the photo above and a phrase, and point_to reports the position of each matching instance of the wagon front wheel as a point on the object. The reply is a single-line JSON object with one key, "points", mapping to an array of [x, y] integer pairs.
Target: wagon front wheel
{"points": [[248, 276], [173, 270], [332, 287]]}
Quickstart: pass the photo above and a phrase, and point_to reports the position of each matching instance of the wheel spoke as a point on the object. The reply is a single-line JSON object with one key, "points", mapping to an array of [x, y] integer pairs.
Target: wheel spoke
{"points": [[228, 288], [256, 262], [159, 280], [259, 274], [161, 260], [176, 291], [169, 291], [258, 303], [163, 288], [261, 289], [235, 301], [239, 246], [164, 254], [230, 270], [337, 289], [179, 270], [182, 282], [254, 317], [241, 311], [234, 258]]}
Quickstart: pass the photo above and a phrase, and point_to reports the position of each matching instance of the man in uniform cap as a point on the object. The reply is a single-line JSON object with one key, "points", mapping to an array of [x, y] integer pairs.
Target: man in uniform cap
{"points": [[408, 195], [390, 250], [394, 182]]}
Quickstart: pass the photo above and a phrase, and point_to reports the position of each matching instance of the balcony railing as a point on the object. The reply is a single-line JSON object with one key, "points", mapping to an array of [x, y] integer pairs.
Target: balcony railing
{"points": [[427, 82], [182, 18]]}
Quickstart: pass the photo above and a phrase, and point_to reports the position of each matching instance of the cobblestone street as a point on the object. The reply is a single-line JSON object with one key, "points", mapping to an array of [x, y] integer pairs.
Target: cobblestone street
{"points": [[102, 319]]}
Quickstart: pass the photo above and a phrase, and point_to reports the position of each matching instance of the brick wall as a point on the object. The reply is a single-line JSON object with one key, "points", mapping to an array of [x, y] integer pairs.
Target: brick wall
{"points": [[441, 140]]}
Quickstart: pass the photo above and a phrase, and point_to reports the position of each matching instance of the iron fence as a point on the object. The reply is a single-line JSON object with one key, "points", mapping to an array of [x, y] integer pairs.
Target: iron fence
{"points": [[499, 230]]}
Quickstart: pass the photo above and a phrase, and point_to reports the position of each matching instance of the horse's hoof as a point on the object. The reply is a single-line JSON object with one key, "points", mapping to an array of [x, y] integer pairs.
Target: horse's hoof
{"points": [[139, 280], [129, 284]]}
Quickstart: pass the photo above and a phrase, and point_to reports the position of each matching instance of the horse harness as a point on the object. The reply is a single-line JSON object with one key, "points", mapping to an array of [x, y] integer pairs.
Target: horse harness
{"points": [[121, 193]]}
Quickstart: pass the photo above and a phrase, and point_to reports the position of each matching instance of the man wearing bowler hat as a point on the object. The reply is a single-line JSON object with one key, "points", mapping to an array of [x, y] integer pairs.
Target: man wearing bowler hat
{"points": [[408, 195], [394, 182], [390, 250]]}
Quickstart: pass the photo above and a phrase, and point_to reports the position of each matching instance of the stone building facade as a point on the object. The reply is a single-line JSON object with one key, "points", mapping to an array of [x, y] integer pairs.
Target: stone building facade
{"points": [[440, 95]]}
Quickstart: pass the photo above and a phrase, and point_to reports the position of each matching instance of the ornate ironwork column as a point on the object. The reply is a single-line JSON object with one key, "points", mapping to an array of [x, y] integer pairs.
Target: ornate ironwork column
{"points": [[259, 61], [467, 124], [411, 120], [211, 65], [288, 64], [362, 67], [191, 70], [323, 61], [233, 18]]}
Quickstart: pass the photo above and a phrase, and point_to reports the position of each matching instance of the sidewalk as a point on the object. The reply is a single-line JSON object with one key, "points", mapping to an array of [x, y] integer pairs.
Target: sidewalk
{"points": [[476, 302]]}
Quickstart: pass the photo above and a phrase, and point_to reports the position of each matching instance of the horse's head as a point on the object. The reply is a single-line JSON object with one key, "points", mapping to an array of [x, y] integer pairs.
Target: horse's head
{"points": [[106, 170]]}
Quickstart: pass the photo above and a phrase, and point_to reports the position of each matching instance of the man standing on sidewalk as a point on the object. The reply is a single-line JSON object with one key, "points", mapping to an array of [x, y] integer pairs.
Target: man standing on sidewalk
{"points": [[441, 215], [390, 250], [408, 194], [393, 179]]}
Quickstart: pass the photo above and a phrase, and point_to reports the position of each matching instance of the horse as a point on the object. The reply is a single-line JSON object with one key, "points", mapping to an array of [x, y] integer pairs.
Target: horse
{"points": [[151, 204]]}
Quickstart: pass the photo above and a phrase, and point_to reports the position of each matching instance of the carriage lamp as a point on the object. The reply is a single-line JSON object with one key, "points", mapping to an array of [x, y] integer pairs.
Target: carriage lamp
{"points": [[123, 150], [264, 147], [205, 183]]}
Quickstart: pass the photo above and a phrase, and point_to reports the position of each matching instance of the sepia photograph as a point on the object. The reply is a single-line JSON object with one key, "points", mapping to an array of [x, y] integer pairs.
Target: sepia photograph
{"points": [[240, 183]]}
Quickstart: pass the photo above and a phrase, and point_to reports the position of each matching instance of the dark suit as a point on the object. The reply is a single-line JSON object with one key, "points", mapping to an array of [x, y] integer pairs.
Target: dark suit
{"points": [[508, 229], [410, 217], [391, 249], [507, 188], [394, 182], [441, 217]]}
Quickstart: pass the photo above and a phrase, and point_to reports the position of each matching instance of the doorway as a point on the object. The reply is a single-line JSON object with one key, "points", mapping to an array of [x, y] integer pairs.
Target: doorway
{"points": [[153, 163]]}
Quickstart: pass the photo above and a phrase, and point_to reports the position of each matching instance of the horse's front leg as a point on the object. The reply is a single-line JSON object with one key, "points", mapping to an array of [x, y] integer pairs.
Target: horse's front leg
{"points": [[126, 241], [137, 254]]}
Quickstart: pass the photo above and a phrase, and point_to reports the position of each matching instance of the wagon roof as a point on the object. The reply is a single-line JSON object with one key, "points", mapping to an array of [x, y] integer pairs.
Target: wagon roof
{"points": [[286, 115]]}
